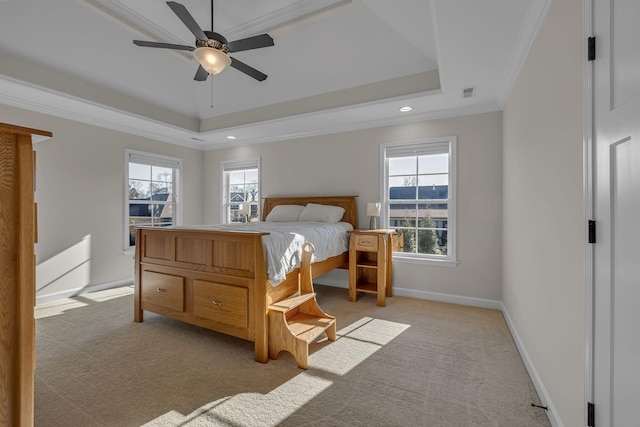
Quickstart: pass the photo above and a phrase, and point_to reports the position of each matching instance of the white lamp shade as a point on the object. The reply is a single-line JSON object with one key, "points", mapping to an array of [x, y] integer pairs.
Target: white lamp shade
{"points": [[373, 209], [212, 60]]}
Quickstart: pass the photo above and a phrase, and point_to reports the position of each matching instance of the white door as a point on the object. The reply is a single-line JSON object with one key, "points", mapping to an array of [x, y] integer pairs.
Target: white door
{"points": [[616, 73]]}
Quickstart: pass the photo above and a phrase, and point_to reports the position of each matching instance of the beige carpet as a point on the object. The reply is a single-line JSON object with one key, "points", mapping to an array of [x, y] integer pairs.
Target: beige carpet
{"points": [[412, 363]]}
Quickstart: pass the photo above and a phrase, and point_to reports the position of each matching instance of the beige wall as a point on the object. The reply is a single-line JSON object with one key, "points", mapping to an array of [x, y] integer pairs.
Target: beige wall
{"points": [[348, 163], [544, 223], [80, 192]]}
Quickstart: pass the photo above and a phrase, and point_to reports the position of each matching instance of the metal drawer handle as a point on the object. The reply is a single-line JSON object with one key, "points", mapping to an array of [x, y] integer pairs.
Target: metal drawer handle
{"points": [[162, 290], [366, 243], [214, 302]]}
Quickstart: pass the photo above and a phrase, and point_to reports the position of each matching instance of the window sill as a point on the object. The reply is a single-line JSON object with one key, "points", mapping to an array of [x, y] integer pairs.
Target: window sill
{"points": [[403, 259]]}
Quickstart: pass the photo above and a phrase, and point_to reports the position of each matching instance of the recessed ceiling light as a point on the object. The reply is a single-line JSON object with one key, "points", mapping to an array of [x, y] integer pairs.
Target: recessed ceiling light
{"points": [[231, 137], [406, 108]]}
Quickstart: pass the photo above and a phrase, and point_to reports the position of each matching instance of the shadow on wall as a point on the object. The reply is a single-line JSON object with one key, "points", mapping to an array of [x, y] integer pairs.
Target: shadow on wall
{"points": [[65, 273]]}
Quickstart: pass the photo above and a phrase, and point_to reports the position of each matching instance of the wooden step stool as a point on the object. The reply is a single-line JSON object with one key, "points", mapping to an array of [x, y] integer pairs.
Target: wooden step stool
{"points": [[297, 321]]}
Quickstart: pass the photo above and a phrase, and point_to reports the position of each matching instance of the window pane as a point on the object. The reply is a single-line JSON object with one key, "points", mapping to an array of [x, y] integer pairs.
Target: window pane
{"points": [[161, 190], [139, 190], [432, 190], [402, 166], [139, 213], [402, 187], [162, 174], [403, 215], [236, 177], [434, 212], [434, 163], [251, 175], [432, 242], [433, 179], [138, 171], [252, 193], [162, 213]]}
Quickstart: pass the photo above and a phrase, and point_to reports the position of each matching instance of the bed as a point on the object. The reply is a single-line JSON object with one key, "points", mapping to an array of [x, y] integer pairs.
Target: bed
{"points": [[218, 278]]}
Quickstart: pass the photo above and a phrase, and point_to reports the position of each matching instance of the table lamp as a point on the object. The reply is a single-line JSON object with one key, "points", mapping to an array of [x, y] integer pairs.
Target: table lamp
{"points": [[373, 210]]}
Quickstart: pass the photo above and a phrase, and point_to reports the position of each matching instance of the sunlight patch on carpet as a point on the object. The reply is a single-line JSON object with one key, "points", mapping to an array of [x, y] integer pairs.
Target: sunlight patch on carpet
{"points": [[354, 345]]}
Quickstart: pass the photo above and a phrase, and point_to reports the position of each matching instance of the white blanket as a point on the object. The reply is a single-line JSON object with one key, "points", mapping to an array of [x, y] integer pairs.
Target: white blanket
{"points": [[283, 245]]}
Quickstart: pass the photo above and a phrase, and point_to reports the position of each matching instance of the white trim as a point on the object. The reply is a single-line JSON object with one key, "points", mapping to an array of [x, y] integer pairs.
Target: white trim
{"points": [[425, 295], [452, 229], [448, 298], [405, 259], [589, 196], [36, 98], [535, 16], [32, 97], [223, 183], [55, 296], [176, 185], [533, 373]]}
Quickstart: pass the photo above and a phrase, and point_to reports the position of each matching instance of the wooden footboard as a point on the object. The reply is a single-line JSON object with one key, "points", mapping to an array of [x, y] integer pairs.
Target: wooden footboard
{"points": [[214, 279]]}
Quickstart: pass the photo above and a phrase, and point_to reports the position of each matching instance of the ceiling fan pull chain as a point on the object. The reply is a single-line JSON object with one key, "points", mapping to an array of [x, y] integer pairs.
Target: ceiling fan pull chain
{"points": [[211, 93]]}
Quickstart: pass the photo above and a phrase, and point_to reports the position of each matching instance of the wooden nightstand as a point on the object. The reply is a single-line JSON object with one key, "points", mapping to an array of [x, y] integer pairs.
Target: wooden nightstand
{"points": [[370, 263]]}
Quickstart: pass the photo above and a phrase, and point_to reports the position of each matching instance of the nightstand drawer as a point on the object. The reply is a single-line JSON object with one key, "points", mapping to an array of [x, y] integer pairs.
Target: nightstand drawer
{"points": [[366, 243]]}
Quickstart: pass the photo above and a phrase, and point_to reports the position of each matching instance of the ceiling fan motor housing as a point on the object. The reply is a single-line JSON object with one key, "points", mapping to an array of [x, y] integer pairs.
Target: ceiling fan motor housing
{"points": [[216, 41]]}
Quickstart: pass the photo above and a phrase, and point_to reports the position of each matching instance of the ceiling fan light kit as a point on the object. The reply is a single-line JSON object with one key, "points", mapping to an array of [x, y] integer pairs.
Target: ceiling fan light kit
{"points": [[212, 49], [212, 59]]}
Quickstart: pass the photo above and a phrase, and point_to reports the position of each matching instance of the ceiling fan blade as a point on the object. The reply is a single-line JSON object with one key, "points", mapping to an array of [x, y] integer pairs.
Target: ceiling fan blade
{"points": [[255, 42], [187, 20], [163, 45], [248, 70], [201, 74]]}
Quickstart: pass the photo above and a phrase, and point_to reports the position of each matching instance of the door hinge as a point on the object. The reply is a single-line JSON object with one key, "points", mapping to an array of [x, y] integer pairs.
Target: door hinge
{"points": [[591, 412], [591, 48], [592, 231]]}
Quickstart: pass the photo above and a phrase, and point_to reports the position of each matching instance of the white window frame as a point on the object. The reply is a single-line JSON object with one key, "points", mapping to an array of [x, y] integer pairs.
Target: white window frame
{"points": [[158, 160], [235, 165], [452, 224]]}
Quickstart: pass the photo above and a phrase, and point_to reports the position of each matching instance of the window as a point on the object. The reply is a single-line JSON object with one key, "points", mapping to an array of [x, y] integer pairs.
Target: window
{"points": [[151, 194], [241, 190], [419, 198]]}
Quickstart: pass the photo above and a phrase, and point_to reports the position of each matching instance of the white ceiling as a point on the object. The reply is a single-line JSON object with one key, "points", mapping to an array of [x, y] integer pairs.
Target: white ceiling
{"points": [[336, 64]]}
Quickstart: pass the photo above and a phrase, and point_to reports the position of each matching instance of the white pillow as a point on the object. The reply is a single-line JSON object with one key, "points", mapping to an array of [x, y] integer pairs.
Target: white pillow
{"points": [[284, 213], [321, 213]]}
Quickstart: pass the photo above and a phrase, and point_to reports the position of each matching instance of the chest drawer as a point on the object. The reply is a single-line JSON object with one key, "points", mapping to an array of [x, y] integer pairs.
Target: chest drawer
{"points": [[222, 303], [366, 243], [164, 290]]}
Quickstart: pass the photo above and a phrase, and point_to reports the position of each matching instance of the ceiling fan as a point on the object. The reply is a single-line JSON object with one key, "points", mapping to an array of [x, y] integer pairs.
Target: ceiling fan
{"points": [[211, 49]]}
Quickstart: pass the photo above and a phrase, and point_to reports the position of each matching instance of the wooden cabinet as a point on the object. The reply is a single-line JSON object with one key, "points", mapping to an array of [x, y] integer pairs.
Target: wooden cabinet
{"points": [[370, 263], [17, 274]]}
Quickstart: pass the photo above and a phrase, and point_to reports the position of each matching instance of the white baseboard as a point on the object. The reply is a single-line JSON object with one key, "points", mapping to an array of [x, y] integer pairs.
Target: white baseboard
{"points": [[41, 299], [533, 373], [432, 296]]}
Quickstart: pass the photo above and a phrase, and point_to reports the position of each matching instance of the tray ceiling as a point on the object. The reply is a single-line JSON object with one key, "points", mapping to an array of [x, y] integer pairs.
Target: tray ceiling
{"points": [[336, 64]]}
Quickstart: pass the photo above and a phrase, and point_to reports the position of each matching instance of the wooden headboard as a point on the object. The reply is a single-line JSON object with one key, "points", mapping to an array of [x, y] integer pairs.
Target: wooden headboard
{"points": [[346, 202]]}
